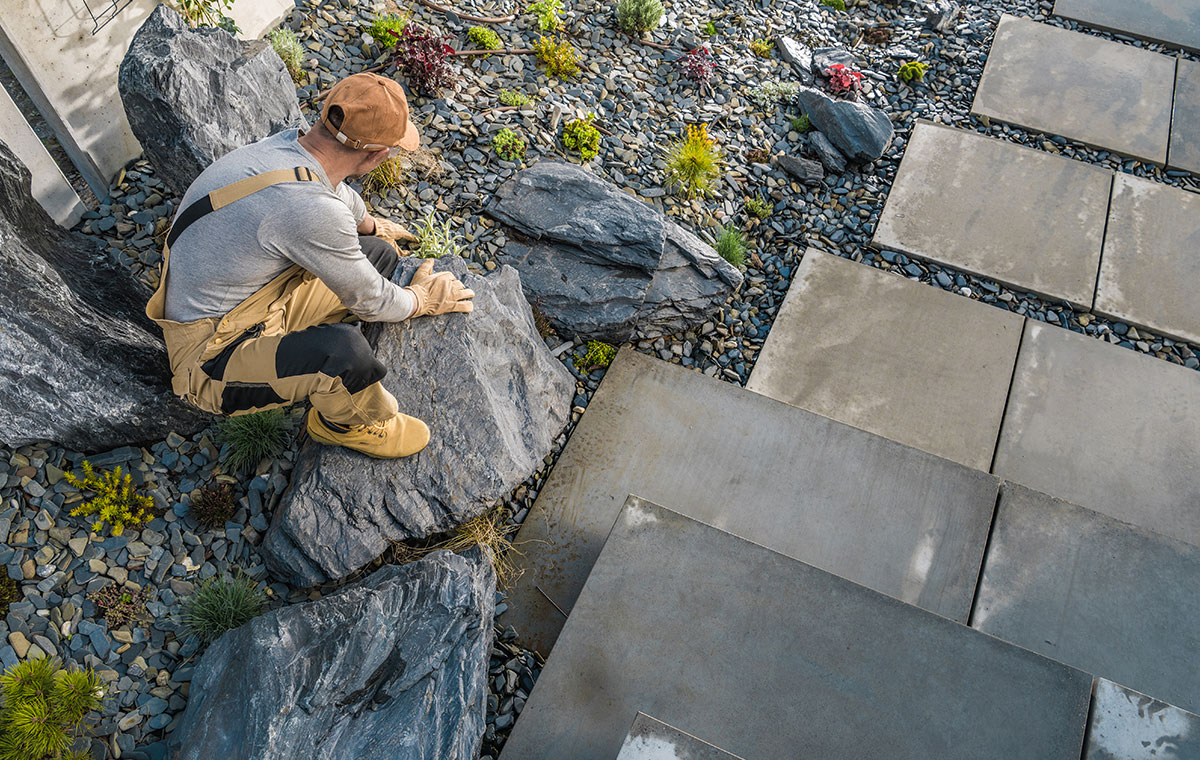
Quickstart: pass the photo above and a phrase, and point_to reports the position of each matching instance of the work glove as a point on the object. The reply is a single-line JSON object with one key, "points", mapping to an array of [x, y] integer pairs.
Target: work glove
{"points": [[439, 293], [390, 231]]}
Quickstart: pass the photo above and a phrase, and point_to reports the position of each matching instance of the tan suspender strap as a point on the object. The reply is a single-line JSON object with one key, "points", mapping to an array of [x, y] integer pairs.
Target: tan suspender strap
{"points": [[242, 188]]}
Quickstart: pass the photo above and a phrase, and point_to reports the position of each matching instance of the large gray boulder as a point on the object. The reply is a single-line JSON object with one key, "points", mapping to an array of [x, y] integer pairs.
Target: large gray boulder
{"points": [[393, 667], [599, 262], [494, 399], [862, 133], [80, 364], [193, 95]]}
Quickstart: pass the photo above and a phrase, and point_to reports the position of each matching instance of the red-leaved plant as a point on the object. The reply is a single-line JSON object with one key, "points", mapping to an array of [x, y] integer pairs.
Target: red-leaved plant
{"points": [[698, 66], [424, 56], [843, 80]]}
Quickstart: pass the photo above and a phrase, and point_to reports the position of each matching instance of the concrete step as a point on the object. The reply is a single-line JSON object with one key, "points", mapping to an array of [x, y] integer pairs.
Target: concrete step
{"points": [[890, 517], [1175, 22], [651, 739], [921, 366], [1185, 121], [769, 657], [1115, 600]]}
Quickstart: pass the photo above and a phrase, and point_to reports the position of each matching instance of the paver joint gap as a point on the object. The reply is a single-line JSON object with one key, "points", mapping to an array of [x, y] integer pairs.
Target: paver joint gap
{"points": [[1087, 726], [1171, 122], [1012, 379], [987, 543], [1112, 188]]}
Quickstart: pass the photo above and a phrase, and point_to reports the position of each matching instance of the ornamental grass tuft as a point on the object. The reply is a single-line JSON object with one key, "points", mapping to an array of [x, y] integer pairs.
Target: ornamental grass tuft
{"points": [[116, 504], [220, 605], [254, 437], [44, 708], [694, 163], [638, 16], [731, 245]]}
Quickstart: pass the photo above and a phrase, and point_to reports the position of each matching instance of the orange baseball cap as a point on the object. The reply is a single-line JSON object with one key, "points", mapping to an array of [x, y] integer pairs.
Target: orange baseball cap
{"points": [[374, 114]]}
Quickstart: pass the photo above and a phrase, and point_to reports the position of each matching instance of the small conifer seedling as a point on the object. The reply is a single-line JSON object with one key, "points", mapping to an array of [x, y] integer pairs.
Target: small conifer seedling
{"points": [[638, 16], [694, 163]]}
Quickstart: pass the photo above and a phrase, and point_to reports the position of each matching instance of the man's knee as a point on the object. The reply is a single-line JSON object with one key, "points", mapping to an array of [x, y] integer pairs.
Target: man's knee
{"points": [[380, 253], [334, 350]]}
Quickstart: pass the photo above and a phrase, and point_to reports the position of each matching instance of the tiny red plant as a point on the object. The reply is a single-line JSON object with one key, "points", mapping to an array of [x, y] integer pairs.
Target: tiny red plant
{"points": [[698, 66], [424, 57], [843, 80]]}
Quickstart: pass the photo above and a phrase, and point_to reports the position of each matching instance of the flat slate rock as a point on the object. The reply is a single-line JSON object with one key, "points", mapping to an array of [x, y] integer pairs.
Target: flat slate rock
{"points": [[1151, 258], [774, 658], [1106, 428], [1185, 127], [1095, 593], [893, 518], [939, 365], [1102, 93], [1020, 216], [1126, 725], [651, 739], [1176, 22]]}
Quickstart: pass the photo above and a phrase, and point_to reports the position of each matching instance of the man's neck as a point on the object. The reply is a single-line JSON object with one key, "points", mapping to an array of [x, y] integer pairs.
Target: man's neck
{"points": [[336, 168]]}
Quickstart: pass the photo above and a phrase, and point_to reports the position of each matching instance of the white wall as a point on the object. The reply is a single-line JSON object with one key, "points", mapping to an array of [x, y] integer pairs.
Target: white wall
{"points": [[50, 187]]}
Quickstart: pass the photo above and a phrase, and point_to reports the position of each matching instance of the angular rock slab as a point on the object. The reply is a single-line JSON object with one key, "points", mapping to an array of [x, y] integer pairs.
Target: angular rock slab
{"points": [[937, 366], [895, 519], [193, 95], [1126, 725], [651, 739], [80, 365], [494, 399], [1151, 258], [1102, 93], [1185, 124], [859, 131], [1106, 428], [998, 210], [1095, 593], [394, 666], [1175, 22], [600, 263], [777, 659]]}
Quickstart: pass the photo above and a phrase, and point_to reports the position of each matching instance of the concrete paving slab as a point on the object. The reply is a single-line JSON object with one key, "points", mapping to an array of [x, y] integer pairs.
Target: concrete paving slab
{"points": [[894, 357], [1020, 216], [776, 659], [1151, 260], [1126, 725], [1185, 122], [1093, 592], [651, 739], [890, 517], [1106, 428], [1102, 93], [1175, 22]]}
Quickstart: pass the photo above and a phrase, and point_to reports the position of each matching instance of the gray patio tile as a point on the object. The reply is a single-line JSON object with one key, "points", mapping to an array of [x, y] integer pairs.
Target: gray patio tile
{"points": [[894, 357], [1185, 124], [651, 739], [1126, 725], [1100, 92], [1176, 22]]}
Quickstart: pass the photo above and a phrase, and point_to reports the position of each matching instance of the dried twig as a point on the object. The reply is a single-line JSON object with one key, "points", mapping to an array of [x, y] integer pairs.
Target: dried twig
{"points": [[508, 51], [465, 17]]}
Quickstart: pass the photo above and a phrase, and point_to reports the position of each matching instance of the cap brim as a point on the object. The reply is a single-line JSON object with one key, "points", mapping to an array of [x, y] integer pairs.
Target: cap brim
{"points": [[412, 138]]}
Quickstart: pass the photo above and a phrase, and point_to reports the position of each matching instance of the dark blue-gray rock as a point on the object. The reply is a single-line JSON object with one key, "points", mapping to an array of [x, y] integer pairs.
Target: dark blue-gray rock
{"points": [[860, 132], [392, 667], [808, 172], [80, 365], [830, 157], [940, 14], [799, 55], [601, 263], [193, 95], [823, 58], [494, 398]]}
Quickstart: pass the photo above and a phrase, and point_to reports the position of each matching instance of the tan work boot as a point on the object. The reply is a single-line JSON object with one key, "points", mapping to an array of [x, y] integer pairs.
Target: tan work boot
{"points": [[400, 436]]}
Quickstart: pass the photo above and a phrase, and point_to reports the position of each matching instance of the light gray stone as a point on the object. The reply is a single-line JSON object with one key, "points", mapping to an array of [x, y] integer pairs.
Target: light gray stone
{"points": [[193, 95], [781, 660], [799, 55], [937, 366], [651, 739], [599, 262], [1126, 725], [393, 666], [1150, 264], [1103, 93], [1185, 123], [823, 58], [789, 479], [1106, 428], [1095, 593], [80, 364], [1176, 22], [998, 210], [494, 399], [862, 133]]}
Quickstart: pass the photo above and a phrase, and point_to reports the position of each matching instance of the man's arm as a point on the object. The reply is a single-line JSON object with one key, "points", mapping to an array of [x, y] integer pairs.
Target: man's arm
{"points": [[367, 225]]}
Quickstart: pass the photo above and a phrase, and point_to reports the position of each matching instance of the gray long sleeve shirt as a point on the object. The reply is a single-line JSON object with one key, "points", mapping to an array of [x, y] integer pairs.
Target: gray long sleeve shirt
{"points": [[227, 255]]}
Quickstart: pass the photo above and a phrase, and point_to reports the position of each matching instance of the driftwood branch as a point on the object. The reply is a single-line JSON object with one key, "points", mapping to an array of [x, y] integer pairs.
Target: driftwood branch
{"points": [[465, 17]]}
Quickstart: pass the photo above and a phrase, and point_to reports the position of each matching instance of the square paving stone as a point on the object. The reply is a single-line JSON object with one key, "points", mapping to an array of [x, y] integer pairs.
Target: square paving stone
{"points": [[1126, 725], [1176, 22], [894, 357], [1185, 123], [890, 517], [1101, 595], [1151, 260], [1020, 216], [1106, 428], [773, 658], [651, 739], [1102, 93]]}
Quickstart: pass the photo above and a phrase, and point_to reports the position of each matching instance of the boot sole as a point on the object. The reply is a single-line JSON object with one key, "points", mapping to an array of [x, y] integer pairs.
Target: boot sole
{"points": [[333, 442]]}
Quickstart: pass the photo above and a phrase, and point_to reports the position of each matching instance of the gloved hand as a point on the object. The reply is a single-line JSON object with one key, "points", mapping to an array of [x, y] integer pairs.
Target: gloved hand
{"points": [[439, 293], [389, 230]]}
